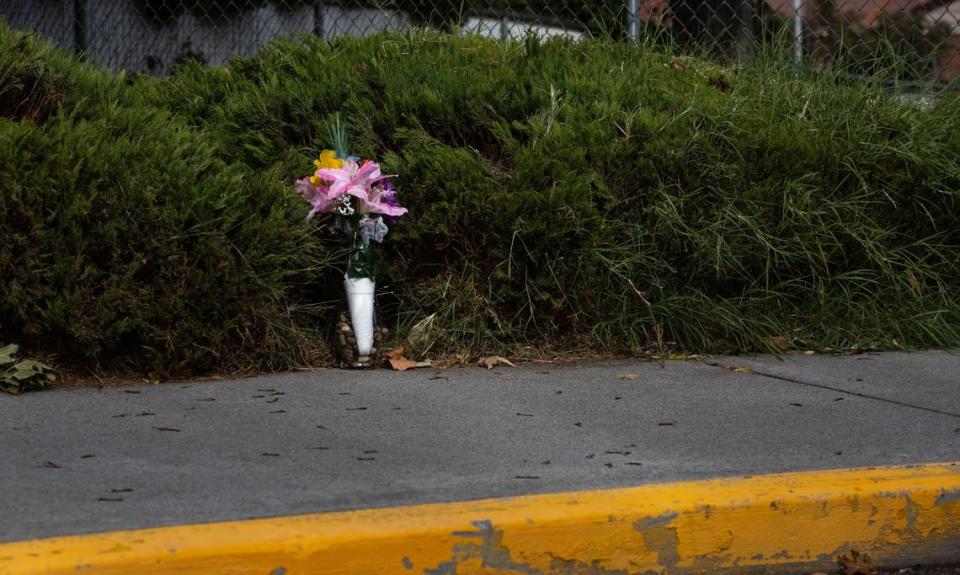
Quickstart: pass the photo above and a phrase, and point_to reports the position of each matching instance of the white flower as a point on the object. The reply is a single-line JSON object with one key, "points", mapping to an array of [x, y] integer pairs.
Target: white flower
{"points": [[345, 206], [372, 229]]}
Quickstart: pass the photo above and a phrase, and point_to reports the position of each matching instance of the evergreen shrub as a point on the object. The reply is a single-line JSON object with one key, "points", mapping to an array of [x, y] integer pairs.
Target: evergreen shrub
{"points": [[575, 197]]}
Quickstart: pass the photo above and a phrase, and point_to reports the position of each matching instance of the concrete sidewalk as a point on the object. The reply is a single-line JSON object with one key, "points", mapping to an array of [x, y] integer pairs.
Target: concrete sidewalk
{"points": [[82, 461]]}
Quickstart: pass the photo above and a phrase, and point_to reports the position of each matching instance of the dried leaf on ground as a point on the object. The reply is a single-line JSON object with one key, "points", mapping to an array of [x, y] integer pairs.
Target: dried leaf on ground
{"points": [[856, 564], [737, 369], [627, 376], [677, 357], [402, 363], [493, 361], [399, 362]]}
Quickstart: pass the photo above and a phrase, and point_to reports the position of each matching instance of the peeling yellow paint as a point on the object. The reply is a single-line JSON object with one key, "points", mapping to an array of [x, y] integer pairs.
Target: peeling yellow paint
{"points": [[777, 523]]}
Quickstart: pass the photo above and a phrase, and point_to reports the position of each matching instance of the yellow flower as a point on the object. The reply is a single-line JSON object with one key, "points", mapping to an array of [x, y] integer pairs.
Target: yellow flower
{"points": [[328, 159]]}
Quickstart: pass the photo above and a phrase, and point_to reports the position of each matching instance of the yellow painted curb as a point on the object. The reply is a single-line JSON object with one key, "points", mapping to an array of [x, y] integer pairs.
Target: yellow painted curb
{"points": [[786, 523]]}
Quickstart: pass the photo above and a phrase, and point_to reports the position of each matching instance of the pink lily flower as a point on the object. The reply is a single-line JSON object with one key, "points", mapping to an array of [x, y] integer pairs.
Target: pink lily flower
{"points": [[359, 180], [352, 179], [317, 195]]}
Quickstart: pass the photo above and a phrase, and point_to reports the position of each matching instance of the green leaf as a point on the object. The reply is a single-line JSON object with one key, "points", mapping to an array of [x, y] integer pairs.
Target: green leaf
{"points": [[7, 354], [24, 375]]}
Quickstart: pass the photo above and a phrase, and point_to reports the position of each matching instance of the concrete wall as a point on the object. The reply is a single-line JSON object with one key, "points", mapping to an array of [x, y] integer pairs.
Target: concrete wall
{"points": [[504, 28]]}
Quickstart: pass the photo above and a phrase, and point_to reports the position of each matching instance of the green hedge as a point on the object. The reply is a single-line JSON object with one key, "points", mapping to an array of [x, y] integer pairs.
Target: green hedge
{"points": [[127, 241], [575, 196]]}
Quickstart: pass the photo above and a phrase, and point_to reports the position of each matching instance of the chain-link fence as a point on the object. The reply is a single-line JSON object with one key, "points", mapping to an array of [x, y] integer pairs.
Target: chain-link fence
{"points": [[923, 36]]}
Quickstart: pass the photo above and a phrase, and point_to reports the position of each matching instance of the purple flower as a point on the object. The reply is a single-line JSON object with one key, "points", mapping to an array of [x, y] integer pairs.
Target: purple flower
{"points": [[389, 195]]}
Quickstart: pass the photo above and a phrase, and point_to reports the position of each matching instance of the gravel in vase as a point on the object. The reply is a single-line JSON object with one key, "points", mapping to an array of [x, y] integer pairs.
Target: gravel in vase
{"points": [[346, 344]]}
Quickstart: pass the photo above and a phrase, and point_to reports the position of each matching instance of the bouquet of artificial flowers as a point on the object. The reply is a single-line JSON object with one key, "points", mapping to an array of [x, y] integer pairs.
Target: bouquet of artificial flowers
{"points": [[359, 196]]}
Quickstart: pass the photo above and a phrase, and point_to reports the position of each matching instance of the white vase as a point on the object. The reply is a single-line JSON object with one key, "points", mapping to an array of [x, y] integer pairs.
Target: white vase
{"points": [[360, 301]]}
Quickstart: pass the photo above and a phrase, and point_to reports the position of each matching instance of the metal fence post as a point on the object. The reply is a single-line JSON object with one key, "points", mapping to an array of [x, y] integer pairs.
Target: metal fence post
{"points": [[798, 29], [79, 26], [633, 20], [318, 20], [746, 39]]}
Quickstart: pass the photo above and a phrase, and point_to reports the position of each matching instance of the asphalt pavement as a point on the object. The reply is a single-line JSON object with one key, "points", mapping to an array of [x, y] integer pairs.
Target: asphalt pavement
{"points": [[78, 461]]}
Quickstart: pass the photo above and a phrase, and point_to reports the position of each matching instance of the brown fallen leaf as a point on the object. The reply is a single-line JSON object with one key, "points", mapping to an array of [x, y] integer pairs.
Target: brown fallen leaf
{"points": [[399, 362], [676, 357], [627, 376], [856, 564], [736, 369], [493, 361]]}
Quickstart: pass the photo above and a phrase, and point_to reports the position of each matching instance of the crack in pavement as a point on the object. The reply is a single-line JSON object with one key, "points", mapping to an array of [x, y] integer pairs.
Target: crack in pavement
{"points": [[846, 391]]}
